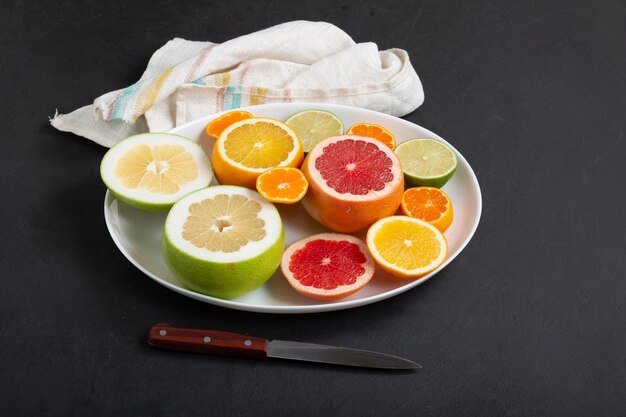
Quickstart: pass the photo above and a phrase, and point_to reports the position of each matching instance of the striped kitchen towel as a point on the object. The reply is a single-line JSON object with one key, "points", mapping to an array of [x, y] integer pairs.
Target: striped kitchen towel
{"points": [[297, 61]]}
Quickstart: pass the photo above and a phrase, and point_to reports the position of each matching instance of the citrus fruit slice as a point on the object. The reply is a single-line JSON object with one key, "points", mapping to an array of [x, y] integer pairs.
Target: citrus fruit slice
{"points": [[353, 181], [327, 266], [429, 204], [373, 131], [426, 162], [249, 147], [282, 185], [217, 126], [223, 241], [313, 126], [152, 171], [406, 247]]}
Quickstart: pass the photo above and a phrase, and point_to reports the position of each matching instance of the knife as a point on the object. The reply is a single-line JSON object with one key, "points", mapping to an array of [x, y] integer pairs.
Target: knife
{"points": [[213, 342]]}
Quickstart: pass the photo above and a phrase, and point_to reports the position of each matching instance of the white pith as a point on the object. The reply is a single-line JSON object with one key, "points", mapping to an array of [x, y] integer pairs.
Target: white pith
{"points": [[220, 143], [180, 212], [396, 169], [369, 264], [205, 172], [379, 258]]}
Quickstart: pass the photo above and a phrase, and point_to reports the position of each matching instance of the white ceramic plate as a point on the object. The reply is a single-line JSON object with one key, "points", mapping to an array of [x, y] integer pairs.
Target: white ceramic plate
{"points": [[138, 234]]}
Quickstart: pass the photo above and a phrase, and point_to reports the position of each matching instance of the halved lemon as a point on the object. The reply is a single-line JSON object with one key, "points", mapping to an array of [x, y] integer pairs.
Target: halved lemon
{"points": [[406, 247], [250, 147], [223, 241], [152, 171]]}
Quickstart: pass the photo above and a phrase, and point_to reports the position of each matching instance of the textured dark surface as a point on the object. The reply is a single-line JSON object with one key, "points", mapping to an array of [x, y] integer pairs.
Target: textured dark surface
{"points": [[529, 320]]}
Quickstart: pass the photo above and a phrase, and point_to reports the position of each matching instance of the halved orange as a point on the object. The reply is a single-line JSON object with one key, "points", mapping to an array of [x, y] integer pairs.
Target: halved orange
{"points": [[373, 131], [406, 247], [217, 126], [282, 185], [249, 147], [429, 204]]}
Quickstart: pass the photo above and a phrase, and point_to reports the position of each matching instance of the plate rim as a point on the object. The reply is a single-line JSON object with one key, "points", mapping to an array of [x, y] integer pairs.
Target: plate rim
{"points": [[310, 308]]}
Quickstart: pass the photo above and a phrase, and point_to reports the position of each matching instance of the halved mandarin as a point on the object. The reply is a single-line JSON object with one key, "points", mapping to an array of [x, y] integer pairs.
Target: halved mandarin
{"points": [[370, 130], [429, 204], [282, 185], [218, 125]]}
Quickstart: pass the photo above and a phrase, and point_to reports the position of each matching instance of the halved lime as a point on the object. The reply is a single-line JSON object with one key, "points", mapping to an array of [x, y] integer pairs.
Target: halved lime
{"points": [[313, 126], [426, 162]]}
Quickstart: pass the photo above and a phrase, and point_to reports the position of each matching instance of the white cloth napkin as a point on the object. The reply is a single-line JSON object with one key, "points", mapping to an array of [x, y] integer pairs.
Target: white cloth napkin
{"points": [[297, 61]]}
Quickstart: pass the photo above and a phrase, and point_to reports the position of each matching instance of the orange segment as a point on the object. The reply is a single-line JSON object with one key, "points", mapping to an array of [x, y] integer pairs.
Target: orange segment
{"points": [[217, 126], [373, 131], [429, 204], [282, 185]]}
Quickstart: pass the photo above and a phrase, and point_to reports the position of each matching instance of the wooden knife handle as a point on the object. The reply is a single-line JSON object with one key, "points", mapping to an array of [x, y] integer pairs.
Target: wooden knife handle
{"points": [[209, 342]]}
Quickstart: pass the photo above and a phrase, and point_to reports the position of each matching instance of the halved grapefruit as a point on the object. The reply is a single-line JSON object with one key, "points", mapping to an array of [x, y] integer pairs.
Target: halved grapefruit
{"points": [[353, 181], [327, 266]]}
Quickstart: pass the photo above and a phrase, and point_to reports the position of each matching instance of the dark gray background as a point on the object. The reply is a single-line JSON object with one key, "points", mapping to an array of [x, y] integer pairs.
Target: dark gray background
{"points": [[529, 320]]}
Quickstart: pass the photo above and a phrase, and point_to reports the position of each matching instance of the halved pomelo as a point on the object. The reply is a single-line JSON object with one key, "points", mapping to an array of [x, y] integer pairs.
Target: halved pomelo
{"points": [[353, 181], [223, 241], [152, 171], [327, 266]]}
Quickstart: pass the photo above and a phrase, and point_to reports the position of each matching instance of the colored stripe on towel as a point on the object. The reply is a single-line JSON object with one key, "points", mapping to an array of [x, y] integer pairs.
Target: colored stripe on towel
{"points": [[148, 96], [222, 79], [232, 97], [120, 103], [258, 95], [287, 95]]}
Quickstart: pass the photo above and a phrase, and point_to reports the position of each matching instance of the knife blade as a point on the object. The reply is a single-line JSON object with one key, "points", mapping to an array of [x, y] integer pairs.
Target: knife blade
{"points": [[214, 342]]}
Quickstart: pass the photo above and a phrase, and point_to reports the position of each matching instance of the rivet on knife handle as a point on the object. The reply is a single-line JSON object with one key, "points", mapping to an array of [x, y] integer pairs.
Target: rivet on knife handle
{"points": [[210, 342]]}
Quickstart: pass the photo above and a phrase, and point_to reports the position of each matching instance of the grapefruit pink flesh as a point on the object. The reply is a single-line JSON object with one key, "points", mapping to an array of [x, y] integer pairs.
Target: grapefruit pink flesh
{"points": [[353, 182], [327, 266], [354, 167]]}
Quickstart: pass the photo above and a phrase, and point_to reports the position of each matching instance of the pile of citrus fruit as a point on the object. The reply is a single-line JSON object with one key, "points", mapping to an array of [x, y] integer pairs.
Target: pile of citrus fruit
{"points": [[226, 240]]}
